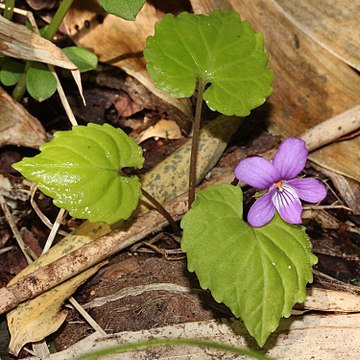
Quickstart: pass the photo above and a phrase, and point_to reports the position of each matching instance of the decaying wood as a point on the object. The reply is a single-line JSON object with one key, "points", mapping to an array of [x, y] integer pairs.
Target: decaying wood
{"points": [[100, 249], [332, 129], [330, 337]]}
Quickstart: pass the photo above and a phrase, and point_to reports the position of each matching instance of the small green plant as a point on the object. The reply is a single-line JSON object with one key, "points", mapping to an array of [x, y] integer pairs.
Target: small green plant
{"points": [[258, 269], [36, 78]]}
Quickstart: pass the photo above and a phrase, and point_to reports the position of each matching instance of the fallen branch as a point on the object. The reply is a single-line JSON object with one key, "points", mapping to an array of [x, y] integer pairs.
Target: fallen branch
{"points": [[102, 248]]}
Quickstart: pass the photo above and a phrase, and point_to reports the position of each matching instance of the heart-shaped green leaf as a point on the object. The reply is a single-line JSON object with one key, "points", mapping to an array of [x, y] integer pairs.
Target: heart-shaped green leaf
{"points": [[40, 82], [127, 9], [81, 170], [259, 273], [218, 49], [84, 59]]}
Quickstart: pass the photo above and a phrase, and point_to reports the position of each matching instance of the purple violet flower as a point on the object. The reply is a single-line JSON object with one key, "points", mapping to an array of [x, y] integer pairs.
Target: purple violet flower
{"points": [[279, 178]]}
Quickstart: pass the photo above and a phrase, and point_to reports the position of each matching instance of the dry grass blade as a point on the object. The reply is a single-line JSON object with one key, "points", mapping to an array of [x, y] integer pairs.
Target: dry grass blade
{"points": [[19, 42]]}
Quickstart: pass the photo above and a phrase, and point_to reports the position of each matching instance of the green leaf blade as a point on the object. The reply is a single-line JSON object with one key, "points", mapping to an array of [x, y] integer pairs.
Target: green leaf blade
{"points": [[220, 50], [259, 273], [127, 9], [40, 82], [81, 170], [11, 71], [84, 59]]}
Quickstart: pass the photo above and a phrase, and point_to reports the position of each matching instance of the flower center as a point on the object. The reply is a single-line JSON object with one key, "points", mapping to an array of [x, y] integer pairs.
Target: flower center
{"points": [[278, 184]]}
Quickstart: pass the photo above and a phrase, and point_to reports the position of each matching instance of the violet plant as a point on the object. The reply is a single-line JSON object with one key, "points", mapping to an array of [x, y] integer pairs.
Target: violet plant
{"points": [[259, 270]]}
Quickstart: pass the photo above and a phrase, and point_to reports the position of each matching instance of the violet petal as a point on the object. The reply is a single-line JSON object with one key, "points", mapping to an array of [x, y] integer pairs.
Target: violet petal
{"points": [[310, 190], [288, 204], [257, 172], [290, 159], [262, 211]]}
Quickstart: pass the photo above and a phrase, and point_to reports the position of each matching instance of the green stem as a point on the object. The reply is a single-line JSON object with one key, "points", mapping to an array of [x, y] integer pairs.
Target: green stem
{"points": [[195, 142], [20, 87], [57, 19], [171, 342], [163, 212], [9, 9]]}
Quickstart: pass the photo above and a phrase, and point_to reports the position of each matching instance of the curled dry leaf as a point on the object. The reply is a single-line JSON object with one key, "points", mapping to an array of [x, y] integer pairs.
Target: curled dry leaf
{"points": [[167, 129], [120, 43], [17, 126]]}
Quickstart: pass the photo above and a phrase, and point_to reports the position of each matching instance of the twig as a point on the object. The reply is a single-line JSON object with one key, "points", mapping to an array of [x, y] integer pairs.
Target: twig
{"points": [[87, 317], [63, 97], [14, 229], [39, 213], [85, 257], [322, 207], [332, 129], [54, 230], [6, 249]]}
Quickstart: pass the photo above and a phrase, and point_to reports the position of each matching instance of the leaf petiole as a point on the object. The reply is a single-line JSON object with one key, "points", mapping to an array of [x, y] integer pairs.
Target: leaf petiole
{"points": [[9, 9], [163, 212], [195, 141]]}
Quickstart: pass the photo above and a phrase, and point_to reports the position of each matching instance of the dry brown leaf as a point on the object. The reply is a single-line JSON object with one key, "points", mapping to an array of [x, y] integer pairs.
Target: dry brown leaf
{"points": [[120, 43], [46, 314], [167, 129], [17, 126], [333, 24], [349, 190], [19, 42], [310, 84]]}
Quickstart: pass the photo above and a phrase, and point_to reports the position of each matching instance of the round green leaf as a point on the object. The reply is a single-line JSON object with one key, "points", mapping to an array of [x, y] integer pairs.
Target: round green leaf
{"points": [[220, 50], [40, 82], [84, 59], [259, 273], [81, 170], [127, 9], [11, 71]]}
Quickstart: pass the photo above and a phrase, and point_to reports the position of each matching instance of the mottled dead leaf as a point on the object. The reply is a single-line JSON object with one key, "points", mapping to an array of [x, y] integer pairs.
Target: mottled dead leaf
{"points": [[17, 126]]}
